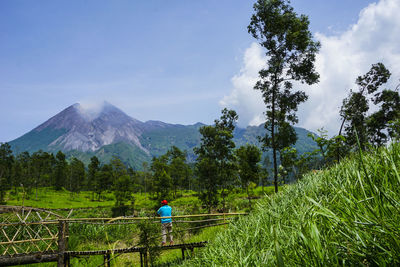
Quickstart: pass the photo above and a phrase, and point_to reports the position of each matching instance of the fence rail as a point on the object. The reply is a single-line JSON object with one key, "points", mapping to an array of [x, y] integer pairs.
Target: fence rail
{"points": [[30, 235], [53, 257]]}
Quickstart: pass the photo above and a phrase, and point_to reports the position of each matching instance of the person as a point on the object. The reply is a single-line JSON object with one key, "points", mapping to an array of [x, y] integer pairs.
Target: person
{"points": [[166, 224]]}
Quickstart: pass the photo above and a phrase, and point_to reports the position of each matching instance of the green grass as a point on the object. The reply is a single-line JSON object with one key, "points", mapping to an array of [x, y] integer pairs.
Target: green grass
{"points": [[347, 215], [186, 201], [52, 199]]}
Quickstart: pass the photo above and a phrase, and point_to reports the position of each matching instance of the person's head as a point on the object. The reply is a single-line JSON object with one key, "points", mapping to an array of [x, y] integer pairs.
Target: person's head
{"points": [[164, 202]]}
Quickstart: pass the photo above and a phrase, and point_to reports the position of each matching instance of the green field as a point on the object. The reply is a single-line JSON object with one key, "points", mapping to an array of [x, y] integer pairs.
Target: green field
{"points": [[99, 237], [48, 198]]}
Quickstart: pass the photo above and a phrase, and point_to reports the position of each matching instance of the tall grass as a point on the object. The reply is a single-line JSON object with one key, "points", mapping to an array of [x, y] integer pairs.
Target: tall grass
{"points": [[347, 215]]}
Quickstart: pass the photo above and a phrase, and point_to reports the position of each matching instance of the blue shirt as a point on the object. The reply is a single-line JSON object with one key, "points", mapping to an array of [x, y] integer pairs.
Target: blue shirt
{"points": [[165, 211]]}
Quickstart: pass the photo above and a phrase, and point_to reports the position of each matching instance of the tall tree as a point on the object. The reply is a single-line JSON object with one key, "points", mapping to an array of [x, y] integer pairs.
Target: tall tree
{"points": [[119, 168], [122, 190], [378, 123], [42, 168], [24, 160], [162, 182], [93, 169], [288, 157], [178, 168], [6, 160], [394, 128], [322, 141], [291, 52], [265, 170], [103, 181], [16, 175], [163, 185], [355, 107], [77, 175], [135, 177], [216, 157], [328, 147], [248, 158], [207, 172], [6, 163], [60, 171], [145, 178]]}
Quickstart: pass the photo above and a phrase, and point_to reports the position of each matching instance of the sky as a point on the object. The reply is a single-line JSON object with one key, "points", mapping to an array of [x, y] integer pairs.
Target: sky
{"points": [[176, 61]]}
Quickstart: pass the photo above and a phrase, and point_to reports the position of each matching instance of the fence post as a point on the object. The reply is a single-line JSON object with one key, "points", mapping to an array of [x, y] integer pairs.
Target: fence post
{"points": [[146, 263], [62, 243], [107, 260], [66, 237], [224, 220], [183, 253]]}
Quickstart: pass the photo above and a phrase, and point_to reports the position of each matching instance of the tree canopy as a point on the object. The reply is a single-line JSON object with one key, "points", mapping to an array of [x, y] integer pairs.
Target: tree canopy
{"points": [[290, 52]]}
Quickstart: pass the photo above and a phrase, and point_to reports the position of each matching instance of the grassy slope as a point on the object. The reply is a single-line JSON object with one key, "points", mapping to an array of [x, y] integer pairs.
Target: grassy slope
{"points": [[347, 215]]}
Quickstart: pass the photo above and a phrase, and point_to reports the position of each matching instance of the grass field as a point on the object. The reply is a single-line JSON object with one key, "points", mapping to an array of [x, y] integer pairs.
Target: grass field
{"points": [[48, 198], [347, 215]]}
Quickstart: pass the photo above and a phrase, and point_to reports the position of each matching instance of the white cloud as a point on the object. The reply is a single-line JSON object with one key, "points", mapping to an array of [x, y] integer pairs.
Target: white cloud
{"points": [[91, 109], [244, 99], [374, 38]]}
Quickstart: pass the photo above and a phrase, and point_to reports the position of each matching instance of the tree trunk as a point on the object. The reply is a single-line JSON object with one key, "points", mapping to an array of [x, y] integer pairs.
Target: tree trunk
{"points": [[273, 138], [323, 154], [223, 199], [340, 133], [248, 196]]}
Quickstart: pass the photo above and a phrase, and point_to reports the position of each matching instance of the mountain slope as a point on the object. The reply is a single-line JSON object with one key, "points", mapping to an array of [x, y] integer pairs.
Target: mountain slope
{"points": [[107, 131], [76, 128]]}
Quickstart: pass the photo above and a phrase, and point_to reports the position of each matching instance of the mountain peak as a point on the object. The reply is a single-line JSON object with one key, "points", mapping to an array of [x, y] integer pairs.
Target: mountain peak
{"points": [[87, 127], [92, 111]]}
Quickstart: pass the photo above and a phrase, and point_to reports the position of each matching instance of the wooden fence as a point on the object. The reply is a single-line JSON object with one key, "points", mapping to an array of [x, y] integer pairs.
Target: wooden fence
{"points": [[29, 235]]}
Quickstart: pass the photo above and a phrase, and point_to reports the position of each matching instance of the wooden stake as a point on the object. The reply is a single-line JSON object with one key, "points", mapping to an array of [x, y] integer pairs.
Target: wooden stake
{"points": [[61, 243]]}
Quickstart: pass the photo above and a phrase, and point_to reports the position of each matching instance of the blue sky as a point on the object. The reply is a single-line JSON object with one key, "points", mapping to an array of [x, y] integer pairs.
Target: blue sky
{"points": [[174, 61]]}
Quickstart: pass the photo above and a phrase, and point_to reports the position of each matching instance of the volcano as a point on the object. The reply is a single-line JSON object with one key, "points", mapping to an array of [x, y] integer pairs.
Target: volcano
{"points": [[105, 131]]}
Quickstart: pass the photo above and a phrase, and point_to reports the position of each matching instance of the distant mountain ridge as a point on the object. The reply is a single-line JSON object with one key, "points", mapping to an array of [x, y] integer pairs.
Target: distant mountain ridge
{"points": [[107, 131]]}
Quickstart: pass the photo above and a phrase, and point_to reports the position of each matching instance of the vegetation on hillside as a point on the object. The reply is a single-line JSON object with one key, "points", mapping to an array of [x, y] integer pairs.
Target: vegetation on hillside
{"points": [[345, 215]]}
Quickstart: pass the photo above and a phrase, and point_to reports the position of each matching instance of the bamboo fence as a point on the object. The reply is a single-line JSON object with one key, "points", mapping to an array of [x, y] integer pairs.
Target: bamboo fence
{"points": [[31, 235]]}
